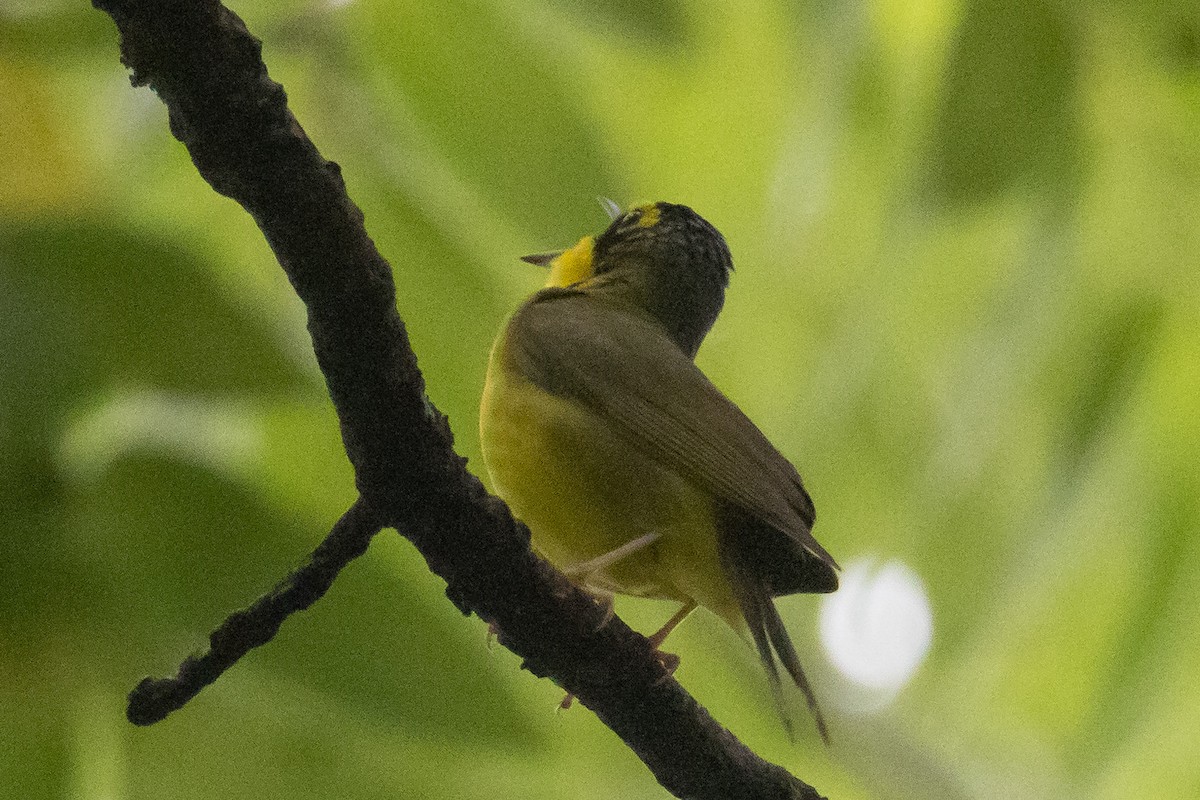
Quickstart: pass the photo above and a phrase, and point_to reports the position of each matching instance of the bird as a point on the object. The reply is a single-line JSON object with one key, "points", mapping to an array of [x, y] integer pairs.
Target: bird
{"points": [[634, 473]]}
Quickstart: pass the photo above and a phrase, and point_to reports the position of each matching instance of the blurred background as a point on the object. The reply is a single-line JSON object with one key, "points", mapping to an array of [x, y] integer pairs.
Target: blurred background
{"points": [[967, 239]]}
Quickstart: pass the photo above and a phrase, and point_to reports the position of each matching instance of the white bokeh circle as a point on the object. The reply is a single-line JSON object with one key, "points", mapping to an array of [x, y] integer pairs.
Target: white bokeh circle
{"points": [[877, 628]]}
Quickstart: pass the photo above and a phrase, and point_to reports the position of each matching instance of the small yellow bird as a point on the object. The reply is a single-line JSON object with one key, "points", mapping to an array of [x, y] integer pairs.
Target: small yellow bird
{"points": [[633, 472]]}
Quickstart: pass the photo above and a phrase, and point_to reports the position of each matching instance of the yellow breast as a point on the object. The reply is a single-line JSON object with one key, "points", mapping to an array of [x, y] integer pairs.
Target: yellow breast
{"points": [[584, 491]]}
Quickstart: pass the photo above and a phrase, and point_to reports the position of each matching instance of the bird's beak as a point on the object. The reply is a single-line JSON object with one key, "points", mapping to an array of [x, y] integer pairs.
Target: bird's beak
{"points": [[541, 259], [544, 259]]}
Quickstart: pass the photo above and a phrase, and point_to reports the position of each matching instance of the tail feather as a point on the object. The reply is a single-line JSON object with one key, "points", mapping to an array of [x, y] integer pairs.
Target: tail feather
{"points": [[753, 612], [791, 662], [771, 638]]}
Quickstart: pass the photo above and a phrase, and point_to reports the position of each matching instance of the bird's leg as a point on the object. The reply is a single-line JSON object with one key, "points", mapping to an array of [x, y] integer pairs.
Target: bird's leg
{"points": [[605, 601], [600, 562], [670, 661], [661, 635], [582, 570], [591, 566]]}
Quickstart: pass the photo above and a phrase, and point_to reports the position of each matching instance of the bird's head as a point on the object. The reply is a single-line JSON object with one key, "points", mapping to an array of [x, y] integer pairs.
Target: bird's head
{"points": [[663, 257]]}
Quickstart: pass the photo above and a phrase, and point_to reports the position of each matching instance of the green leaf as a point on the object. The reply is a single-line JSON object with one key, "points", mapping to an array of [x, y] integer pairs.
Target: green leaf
{"points": [[1007, 117]]}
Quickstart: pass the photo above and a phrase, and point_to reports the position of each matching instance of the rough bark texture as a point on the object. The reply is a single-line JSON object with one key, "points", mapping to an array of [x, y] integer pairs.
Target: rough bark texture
{"points": [[234, 121]]}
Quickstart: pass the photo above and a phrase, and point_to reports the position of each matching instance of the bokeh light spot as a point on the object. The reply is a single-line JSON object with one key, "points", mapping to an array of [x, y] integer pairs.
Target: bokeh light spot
{"points": [[878, 626]]}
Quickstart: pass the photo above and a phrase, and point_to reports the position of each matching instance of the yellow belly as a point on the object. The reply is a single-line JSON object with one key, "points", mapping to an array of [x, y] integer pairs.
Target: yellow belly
{"points": [[584, 491]]}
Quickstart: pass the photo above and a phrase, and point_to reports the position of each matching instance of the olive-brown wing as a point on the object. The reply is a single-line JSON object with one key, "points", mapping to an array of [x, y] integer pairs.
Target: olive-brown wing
{"points": [[622, 366]]}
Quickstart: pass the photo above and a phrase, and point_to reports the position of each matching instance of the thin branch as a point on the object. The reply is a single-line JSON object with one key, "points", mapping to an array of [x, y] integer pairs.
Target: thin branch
{"points": [[242, 631], [245, 142]]}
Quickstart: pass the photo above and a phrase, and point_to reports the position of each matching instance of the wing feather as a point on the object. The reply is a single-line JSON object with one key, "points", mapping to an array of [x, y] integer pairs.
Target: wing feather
{"points": [[623, 366]]}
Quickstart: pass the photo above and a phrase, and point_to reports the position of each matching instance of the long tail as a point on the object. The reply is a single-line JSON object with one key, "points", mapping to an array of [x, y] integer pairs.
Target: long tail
{"points": [[791, 662], [766, 627]]}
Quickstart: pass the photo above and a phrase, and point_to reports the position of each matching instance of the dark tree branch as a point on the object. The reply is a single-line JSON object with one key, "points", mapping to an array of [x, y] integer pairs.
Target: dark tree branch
{"points": [[155, 698], [234, 121]]}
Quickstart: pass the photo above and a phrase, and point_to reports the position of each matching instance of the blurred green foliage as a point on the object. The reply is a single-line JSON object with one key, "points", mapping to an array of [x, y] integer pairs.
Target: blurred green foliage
{"points": [[967, 304]]}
